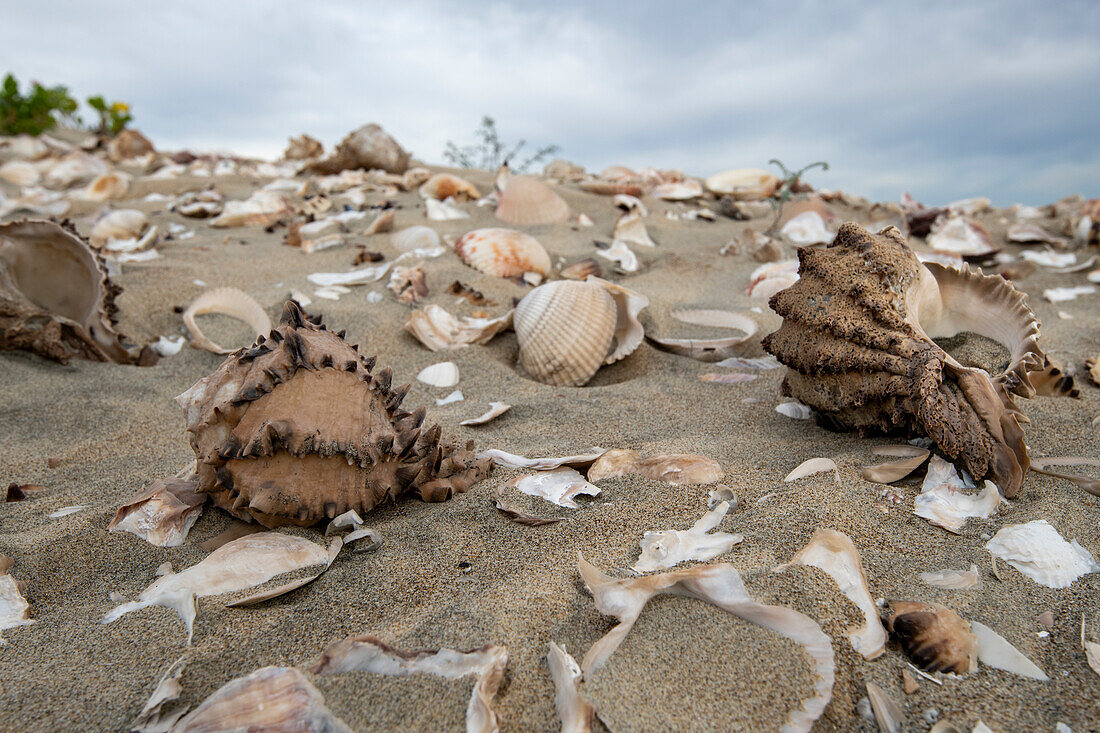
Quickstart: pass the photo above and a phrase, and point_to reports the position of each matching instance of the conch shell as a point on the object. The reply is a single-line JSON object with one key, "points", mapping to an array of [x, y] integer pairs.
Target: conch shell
{"points": [[296, 429], [566, 330], [55, 297], [857, 338]]}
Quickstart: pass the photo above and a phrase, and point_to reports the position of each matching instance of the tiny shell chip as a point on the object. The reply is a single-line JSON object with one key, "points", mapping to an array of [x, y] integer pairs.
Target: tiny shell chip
{"points": [[936, 638], [1039, 552], [444, 186], [417, 237], [743, 184], [526, 201], [503, 252], [443, 374]]}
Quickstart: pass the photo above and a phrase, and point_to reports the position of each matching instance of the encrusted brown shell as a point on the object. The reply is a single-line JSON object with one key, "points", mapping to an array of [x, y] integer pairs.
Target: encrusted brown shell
{"points": [[933, 636], [857, 338], [296, 429], [55, 297]]}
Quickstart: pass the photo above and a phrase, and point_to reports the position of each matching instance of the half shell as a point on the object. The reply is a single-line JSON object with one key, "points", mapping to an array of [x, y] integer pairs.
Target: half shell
{"points": [[503, 252], [525, 201], [55, 297]]}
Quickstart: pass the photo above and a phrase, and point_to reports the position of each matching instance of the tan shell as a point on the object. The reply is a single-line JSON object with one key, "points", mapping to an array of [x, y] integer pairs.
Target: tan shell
{"points": [[444, 186], [55, 297], [297, 429], [370, 147], [933, 636], [502, 252], [120, 224], [303, 147], [525, 201], [128, 144], [857, 338], [743, 184]]}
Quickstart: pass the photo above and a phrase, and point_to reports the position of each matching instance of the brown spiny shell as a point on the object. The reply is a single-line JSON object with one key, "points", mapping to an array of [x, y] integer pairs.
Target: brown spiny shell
{"points": [[55, 297], [296, 429], [933, 636], [857, 338], [369, 147]]}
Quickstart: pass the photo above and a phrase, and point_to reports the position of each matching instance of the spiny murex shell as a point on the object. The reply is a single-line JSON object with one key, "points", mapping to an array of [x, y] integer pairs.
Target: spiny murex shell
{"points": [[296, 429], [567, 329], [55, 297], [857, 338]]}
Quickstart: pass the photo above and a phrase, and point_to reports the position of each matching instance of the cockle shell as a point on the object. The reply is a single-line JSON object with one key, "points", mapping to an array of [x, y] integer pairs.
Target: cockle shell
{"points": [[55, 297], [369, 147], [444, 186], [933, 636], [296, 428], [857, 338], [503, 252], [567, 329], [743, 184], [120, 224], [410, 238], [525, 201]]}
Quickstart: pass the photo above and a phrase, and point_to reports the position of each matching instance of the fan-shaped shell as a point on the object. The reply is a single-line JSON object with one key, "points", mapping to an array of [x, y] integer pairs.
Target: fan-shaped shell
{"points": [[857, 338], [120, 224], [297, 428], [410, 238], [565, 329], [444, 186], [55, 297], [525, 201], [503, 252], [743, 184]]}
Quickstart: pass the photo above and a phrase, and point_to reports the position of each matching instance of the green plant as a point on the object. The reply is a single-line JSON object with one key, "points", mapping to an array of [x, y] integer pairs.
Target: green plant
{"points": [[789, 180], [35, 112], [491, 152], [113, 118]]}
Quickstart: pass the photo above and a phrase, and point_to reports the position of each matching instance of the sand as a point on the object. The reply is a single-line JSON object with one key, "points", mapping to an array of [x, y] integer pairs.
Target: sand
{"points": [[460, 574]]}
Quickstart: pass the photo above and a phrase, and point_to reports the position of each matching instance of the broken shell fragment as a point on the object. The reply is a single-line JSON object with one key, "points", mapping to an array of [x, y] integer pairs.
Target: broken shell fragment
{"points": [[503, 252], [56, 299], [163, 513], [1039, 552], [443, 186], [438, 330], [743, 184], [678, 469], [229, 302], [936, 638], [526, 201], [669, 548]]}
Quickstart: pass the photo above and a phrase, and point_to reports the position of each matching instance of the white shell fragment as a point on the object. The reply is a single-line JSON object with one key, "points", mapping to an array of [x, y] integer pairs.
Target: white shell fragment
{"points": [[721, 586], [225, 301], [812, 466], [953, 579], [438, 330], [496, 409], [1039, 552], [996, 651], [558, 486], [245, 562], [14, 609], [162, 514], [369, 654], [671, 547], [943, 501], [836, 554], [443, 374], [574, 711]]}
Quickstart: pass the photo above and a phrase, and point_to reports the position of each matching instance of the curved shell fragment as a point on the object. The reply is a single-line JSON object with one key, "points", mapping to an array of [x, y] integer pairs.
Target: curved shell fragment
{"points": [[225, 301]]}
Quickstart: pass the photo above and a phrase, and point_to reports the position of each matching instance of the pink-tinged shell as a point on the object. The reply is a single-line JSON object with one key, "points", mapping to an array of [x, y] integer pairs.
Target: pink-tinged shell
{"points": [[443, 186], [525, 201], [503, 252]]}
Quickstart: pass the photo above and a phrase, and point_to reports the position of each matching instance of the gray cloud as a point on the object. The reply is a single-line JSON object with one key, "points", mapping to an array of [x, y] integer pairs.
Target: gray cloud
{"points": [[944, 100]]}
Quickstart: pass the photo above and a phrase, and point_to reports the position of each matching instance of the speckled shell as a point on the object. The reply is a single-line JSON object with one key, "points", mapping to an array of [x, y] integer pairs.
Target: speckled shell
{"points": [[444, 186], [525, 201], [857, 338], [565, 329], [296, 429], [502, 252], [933, 636], [55, 297]]}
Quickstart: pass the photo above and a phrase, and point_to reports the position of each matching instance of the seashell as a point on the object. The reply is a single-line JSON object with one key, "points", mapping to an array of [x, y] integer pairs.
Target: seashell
{"points": [[200, 205], [678, 190], [936, 638], [960, 236], [503, 252], [443, 374], [438, 330], [128, 143], [229, 302], [669, 548], [303, 147], [19, 173], [630, 229], [526, 201], [296, 429], [261, 209], [581, 269], [1039, 552], [412, 238], [443, 210], [444, 186], [744, 184], [369, 147], [56, 299], [119, 224], [112, 185], [72, 169], [857, 341]]}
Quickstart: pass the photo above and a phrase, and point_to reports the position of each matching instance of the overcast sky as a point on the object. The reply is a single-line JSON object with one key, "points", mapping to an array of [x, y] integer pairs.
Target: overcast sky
{"points": [[944, 100]]}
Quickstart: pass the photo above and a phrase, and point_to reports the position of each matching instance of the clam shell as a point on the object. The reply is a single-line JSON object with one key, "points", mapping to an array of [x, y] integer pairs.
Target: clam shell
{"points": [[446, 186], [565, 330], [525, 201], [503, 252], [743, 184], [410, 238], [120, 224]]}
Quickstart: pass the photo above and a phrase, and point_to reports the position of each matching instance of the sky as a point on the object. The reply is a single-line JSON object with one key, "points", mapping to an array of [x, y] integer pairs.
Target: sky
{"points": [[944, 100]]}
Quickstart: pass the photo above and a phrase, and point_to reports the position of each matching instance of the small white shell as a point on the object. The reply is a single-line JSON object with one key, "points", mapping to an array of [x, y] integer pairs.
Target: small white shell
{"points": [[565, 329], [418, 237], [743, 184], [443, 374], [503, 252], [121, 224], [525, 201]]}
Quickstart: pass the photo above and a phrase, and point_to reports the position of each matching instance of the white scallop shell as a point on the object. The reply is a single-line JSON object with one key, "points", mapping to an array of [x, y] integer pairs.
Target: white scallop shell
{"points": [[120, 224], [410, 238], [503, 252], [744, 184], [525, 201]]}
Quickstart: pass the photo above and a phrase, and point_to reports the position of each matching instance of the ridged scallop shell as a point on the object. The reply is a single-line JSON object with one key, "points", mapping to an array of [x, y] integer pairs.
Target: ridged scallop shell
{"points": [[503, 252], [525, 201], [444, 186], [417, 237], [743, 184], [297, 428], [119, 224], [55, 297], [933, 636], [857, 338]]}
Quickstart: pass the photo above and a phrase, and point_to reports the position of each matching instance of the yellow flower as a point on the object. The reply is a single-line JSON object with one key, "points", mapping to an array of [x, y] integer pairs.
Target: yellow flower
{"points": [[120, 107]]}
